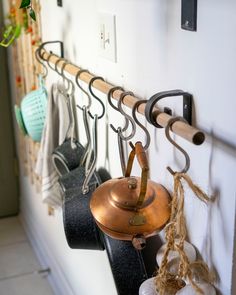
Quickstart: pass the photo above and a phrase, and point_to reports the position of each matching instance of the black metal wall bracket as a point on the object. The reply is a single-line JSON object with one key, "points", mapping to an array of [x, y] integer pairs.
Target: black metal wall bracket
{"points": [[187, 105], [59, 3], [189, 15], [51, 42]]}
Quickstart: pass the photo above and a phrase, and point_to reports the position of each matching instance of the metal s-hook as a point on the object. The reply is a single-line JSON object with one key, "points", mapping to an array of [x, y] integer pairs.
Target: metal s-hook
{"points": [[134, 109], [167, 132], [61, 73], [70, 82], [82, 89], [131, 120], [37, 56], [57, 63], [119, 129], [96, 97], [48, 59], [109, 96]]}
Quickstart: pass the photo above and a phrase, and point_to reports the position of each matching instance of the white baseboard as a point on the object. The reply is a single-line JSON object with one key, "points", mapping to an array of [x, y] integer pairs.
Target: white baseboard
{"points": [[45, 256]]}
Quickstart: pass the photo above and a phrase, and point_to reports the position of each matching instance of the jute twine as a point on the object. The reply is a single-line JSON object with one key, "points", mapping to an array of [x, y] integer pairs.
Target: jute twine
{"points": [[175, 234]]}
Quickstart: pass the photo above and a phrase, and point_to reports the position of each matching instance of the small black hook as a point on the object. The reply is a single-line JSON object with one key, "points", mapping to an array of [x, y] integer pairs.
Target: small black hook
{"points": [[82, 89], [97, 98], [167, 132], [131, 120], [109, 96], [135, 107], [41, 62], [48, 61], [57, 63], [70, 82], [65, 62]]}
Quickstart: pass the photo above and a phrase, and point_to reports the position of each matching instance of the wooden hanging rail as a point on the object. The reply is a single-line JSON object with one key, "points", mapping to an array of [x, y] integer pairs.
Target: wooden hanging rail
{"points": [[182, 129]]}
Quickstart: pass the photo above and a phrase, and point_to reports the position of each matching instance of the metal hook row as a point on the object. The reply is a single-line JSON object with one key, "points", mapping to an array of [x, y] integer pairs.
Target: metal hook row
{"points": [[151, 112]]}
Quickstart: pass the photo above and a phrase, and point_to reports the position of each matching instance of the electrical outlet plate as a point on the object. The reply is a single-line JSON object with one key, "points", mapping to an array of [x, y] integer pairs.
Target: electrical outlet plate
{"points": [[107, 36]]}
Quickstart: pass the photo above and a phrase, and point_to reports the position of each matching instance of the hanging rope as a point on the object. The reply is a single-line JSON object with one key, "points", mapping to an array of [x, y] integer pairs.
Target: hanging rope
{"points": [[175, 234]]}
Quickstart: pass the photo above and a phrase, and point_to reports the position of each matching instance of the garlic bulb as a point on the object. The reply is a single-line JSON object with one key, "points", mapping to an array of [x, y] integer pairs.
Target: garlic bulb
{"points": [[173, 257], [148, 287], [208, 289]]}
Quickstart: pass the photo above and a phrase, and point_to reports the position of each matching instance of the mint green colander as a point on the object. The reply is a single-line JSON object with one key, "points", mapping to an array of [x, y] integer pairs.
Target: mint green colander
{"points": [[31, 115]]}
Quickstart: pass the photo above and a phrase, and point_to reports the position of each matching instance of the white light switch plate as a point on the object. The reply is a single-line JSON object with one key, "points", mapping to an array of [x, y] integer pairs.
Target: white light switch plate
{"points": [[107, 36]]}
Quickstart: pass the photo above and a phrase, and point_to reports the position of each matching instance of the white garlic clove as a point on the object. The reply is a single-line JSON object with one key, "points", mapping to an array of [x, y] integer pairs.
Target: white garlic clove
{"points": [[148, 287], [208, 289], [173, 257]]}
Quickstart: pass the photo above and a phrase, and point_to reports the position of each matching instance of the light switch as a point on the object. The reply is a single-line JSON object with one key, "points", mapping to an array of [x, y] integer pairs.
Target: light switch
{"points": [[107, 36]]}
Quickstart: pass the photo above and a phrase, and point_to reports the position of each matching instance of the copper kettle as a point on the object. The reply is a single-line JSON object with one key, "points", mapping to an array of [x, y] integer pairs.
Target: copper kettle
{"points": [[131, 208]]}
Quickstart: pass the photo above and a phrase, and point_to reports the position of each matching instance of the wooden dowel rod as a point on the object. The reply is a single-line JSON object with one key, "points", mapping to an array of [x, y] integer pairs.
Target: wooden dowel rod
{"points": [[182, 129]]}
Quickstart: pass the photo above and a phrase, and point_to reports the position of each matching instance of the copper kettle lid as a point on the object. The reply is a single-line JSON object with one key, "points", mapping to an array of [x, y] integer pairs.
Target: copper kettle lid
{"points": [[124, 193]]}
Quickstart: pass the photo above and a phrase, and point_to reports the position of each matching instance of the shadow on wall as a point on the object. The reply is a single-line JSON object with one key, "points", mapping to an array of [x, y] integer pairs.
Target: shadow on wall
{"points": [[229, 148], [66, 37]]}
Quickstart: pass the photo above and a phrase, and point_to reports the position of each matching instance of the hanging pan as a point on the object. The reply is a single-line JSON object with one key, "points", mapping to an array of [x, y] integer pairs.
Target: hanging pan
{"points": [[80, 229], [70, 153], [78, 185]]}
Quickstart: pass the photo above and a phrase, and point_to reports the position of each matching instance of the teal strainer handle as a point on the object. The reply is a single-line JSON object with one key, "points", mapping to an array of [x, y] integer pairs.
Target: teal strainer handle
{"points": [[41, 81], [19, 120]]}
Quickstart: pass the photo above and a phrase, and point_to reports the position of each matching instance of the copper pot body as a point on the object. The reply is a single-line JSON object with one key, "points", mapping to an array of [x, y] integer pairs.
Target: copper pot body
{"points": [[113, 205]]}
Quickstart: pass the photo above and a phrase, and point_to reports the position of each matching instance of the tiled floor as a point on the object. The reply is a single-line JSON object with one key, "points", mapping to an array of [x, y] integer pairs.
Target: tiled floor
{"points": [[19, 268]]}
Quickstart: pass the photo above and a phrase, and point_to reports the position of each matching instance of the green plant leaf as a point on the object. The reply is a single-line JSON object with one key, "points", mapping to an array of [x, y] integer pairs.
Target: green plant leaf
{"points": [[25, 3], [32, 14]]}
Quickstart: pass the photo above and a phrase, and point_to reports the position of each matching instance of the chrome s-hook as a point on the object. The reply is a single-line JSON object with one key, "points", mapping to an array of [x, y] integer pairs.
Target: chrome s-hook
{"points": [[134, 109], [97, 98], [167, 132], [90, 170], [131, 120], [109, 96], [82, 89], [121, 150]]}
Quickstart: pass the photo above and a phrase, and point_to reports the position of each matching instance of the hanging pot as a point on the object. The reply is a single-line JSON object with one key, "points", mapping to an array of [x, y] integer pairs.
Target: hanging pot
{"points": [[80, 228], [78, 185], [70, 153], [131, 208]]}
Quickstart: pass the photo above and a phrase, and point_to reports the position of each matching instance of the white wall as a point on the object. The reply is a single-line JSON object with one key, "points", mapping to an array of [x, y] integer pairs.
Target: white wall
{"points": [[154, 54]]}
